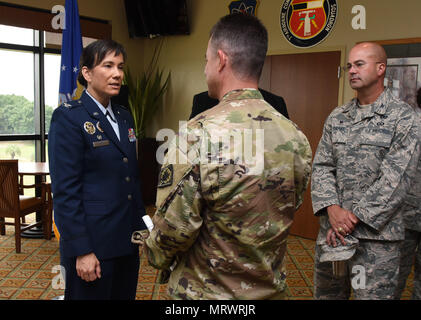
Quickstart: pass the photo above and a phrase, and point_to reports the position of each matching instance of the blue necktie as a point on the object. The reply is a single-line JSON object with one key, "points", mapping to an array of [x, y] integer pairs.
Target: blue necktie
{"points": [[107, 113]]}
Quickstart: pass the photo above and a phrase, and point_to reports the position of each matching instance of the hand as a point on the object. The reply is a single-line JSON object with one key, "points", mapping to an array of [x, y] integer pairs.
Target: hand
{"points": [[139, 237], [354, 218], [331, 238], [88, 267], [342, 221]]}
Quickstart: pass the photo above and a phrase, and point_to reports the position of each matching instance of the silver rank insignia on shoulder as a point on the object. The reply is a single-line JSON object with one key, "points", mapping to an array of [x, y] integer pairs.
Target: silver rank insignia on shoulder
{"points": [[89, 127], [67, 105], [96, 114], [98, 126]]}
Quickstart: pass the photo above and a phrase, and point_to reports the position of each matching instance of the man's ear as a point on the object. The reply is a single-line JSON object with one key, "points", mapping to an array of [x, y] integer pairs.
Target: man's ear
{"points": [[381, 68], [223, 60]]}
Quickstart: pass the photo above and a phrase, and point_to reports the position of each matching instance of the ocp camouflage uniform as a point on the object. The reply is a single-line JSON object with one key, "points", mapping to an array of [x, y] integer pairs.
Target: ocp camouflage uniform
{"points": [[411, 246], [359, 165], [225, 222]]}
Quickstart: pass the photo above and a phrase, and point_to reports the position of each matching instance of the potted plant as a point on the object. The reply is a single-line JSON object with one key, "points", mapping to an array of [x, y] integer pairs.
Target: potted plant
{"points": [[144, 99]]}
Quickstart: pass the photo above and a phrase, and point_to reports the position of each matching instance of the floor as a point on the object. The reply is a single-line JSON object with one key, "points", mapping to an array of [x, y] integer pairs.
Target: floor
{"points": [[33, 274]]}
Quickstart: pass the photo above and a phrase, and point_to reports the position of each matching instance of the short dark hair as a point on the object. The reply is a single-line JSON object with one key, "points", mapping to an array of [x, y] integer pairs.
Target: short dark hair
{"points": [[94, 53], [419, 97], [245, 40]]}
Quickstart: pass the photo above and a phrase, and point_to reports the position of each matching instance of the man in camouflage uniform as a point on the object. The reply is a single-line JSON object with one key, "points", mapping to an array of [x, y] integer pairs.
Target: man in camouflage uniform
{"points": [[222, 221], [411, 247], [357, 181]]}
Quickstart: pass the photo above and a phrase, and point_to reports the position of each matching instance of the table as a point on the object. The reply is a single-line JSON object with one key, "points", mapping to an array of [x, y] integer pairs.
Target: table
{"points": [[33, 168], [40, 170]]}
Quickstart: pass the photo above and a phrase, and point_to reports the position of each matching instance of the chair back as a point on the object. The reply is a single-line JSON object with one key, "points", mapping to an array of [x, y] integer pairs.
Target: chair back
{"points": [[9, 194]]}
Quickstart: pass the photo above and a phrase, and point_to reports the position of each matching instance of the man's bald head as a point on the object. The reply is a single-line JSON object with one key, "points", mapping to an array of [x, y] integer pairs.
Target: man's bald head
{"points": [[367, 69], [374, 50]]}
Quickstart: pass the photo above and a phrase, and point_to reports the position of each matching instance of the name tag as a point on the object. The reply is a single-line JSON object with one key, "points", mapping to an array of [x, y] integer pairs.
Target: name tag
{"points": [[101, 143]]}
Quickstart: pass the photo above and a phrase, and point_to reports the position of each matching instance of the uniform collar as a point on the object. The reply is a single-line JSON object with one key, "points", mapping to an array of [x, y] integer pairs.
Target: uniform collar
{"points": [[101, 107], [377, 107], [240, 94], [92, 108]]}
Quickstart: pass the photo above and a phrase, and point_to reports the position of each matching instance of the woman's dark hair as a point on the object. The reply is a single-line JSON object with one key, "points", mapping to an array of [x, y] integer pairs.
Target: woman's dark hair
{"points": [[94, 53]]}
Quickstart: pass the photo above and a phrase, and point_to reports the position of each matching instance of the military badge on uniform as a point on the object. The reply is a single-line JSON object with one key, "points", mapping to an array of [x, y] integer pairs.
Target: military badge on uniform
{"points": [[132, 136], [89, 127], [98, 126], [166, 176]]}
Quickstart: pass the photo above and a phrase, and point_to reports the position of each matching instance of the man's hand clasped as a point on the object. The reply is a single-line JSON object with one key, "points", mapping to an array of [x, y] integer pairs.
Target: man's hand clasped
{"points": [[88, 267], [343, 223]]}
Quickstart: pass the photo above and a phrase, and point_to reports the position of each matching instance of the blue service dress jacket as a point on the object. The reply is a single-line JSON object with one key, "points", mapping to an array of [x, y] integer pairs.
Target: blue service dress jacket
{"points": [[95, 180]]}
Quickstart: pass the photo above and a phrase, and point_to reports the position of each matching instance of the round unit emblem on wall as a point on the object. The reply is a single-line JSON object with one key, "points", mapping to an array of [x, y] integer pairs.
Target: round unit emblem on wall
{"points": [[305, 23]]}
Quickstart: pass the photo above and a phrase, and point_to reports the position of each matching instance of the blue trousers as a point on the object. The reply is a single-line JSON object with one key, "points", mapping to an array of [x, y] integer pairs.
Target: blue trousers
{"points": [[118, 280]]}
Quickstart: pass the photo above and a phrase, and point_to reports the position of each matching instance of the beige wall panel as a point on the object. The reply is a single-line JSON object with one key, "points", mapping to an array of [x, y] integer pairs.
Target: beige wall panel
{"points": [[184, 55]]}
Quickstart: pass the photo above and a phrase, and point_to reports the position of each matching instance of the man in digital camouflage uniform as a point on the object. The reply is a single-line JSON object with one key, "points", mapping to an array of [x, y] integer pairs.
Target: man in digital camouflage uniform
{"points": [[411, 247], [222, 221], [357, 181]]}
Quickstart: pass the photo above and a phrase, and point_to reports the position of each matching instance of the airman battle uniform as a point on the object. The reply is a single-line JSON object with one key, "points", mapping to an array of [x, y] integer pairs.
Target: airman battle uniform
{"points": [[359, 165], [97, 199], [222, 223], [411, 247]]}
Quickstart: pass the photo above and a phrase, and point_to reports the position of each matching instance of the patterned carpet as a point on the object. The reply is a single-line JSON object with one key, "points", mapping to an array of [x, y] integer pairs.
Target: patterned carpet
{"points": [[30, 274]]}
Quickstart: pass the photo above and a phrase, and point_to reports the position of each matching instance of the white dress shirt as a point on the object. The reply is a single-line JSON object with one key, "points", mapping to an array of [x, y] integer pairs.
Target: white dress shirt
{"points": [[104, 111]]}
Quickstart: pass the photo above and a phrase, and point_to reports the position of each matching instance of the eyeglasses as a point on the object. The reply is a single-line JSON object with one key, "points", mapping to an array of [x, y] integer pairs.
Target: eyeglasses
{"points": [[358, 65]]}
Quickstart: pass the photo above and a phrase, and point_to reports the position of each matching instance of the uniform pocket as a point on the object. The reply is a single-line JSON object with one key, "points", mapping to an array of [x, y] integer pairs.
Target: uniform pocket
{"points": [[376, 138], [339, 135], [339, 143]]}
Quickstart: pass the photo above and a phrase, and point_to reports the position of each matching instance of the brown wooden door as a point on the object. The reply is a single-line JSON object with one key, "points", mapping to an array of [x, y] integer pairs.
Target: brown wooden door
{"points": [[309, 84]]}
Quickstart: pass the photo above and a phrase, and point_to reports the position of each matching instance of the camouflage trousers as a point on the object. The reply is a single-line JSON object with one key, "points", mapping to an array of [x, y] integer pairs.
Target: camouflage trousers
{"points": [[372, 273], [410, 255]]}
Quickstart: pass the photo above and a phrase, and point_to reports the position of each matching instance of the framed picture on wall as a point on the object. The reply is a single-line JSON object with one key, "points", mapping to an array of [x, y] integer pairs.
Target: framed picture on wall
{"points": [[403, 77]]}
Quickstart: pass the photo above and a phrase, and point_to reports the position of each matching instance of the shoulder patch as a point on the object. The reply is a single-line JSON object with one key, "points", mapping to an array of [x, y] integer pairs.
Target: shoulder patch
{"points": [[166, 176]]}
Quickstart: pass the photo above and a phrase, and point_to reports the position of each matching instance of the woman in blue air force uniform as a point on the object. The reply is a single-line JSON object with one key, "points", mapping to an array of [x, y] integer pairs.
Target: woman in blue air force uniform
{"points": [[95, 181]]}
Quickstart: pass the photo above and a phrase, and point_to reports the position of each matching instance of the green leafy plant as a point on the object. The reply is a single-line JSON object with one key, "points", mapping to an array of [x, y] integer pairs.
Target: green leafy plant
{"points": [[145, 92]]}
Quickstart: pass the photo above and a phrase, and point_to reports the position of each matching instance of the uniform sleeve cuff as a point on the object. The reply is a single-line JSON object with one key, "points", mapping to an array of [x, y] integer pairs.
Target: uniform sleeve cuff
{"points": [[156, 257], [320, 209], [76, 247], [362, 215]]}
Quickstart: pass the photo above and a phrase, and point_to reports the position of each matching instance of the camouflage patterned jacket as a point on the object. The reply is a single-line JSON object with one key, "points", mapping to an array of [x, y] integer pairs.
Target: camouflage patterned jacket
{"points": [[412, 209], [360, 163], [226, 220]]}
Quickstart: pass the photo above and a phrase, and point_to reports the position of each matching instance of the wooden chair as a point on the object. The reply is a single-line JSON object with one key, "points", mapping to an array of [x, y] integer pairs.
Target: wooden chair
{"points": [[16, 206]]}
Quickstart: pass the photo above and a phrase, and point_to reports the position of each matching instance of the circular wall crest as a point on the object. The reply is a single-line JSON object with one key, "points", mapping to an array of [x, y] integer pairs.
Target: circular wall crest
{"points": [[305, 23]]}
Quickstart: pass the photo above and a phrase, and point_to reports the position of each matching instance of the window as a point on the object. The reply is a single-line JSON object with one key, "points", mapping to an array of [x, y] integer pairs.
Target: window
{"points": [[30, 54], [15, 35], [52, 81], [25, 99], [17, 92]]}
